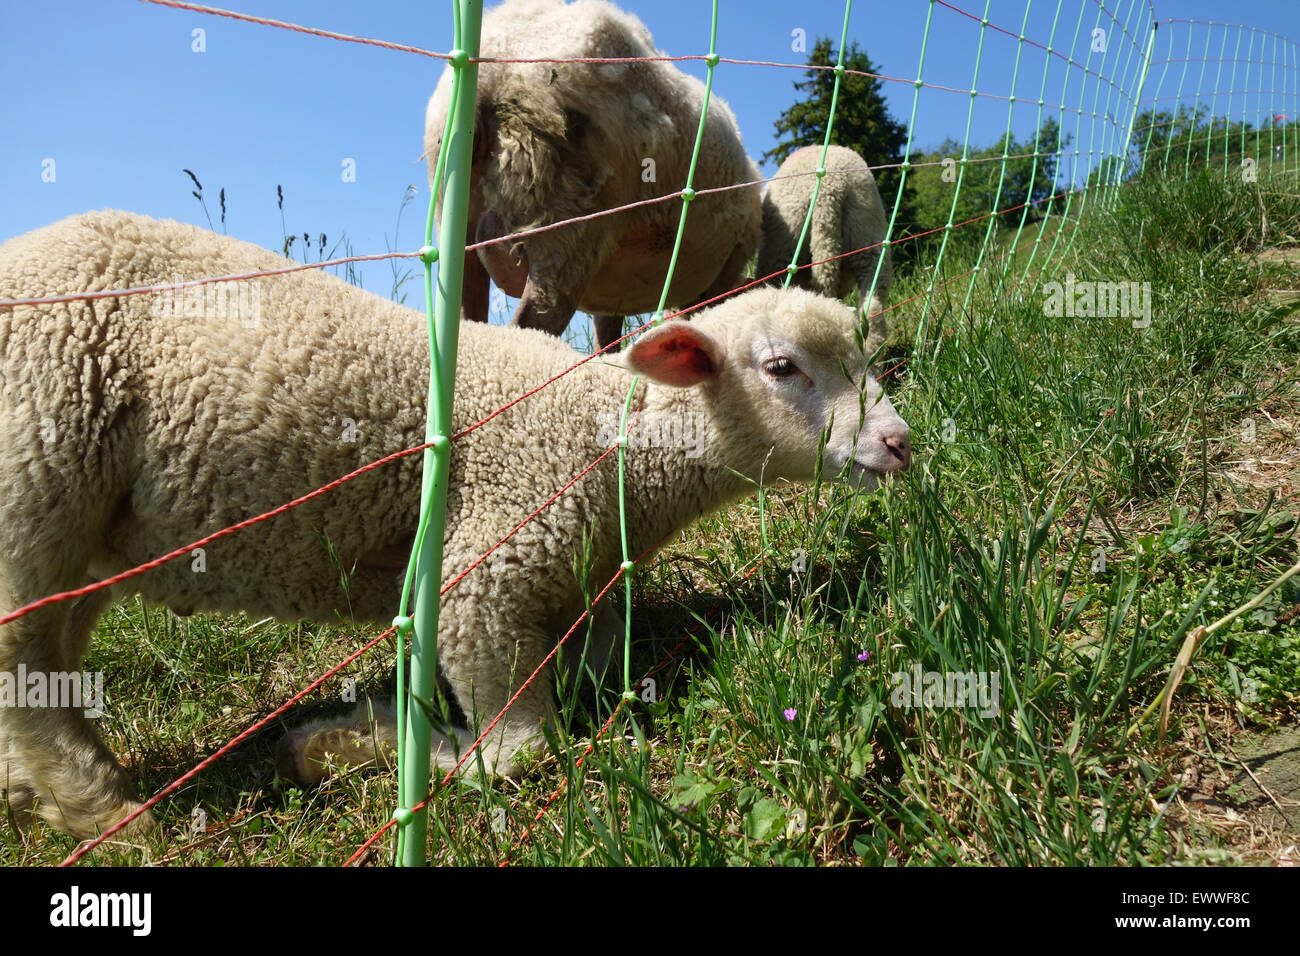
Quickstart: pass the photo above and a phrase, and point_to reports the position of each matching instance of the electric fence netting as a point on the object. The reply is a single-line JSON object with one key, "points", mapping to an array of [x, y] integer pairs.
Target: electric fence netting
{"points": [[1086, 96]]}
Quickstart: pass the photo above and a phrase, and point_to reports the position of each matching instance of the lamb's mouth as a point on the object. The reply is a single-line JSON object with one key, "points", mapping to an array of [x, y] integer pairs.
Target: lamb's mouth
{"points": [[857, 470]]}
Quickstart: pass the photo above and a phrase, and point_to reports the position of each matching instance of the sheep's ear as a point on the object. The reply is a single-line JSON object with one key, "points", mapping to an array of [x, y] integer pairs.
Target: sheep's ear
{"points": [[677, 353]]}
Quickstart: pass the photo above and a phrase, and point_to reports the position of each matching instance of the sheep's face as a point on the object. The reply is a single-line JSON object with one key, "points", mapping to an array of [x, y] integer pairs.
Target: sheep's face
{"points": [[779, 370], [800, 390]]}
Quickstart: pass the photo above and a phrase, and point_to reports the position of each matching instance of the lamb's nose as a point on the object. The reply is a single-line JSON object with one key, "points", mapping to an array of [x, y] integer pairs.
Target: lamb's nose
{"points": [[899, 443]]}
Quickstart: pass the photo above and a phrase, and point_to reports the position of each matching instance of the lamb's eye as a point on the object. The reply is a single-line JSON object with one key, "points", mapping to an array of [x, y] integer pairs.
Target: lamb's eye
{"points": [[780, 367]]}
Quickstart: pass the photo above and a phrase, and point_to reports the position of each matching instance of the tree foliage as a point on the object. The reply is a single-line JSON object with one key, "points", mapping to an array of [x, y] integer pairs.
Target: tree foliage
{"points": [[862, 121], [1190, 137], [1021, 188]]}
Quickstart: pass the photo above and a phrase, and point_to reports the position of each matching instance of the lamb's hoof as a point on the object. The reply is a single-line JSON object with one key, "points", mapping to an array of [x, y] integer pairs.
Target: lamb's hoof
{"points": [[291, 765], [17, 803], [84, 829], [141, 826]]}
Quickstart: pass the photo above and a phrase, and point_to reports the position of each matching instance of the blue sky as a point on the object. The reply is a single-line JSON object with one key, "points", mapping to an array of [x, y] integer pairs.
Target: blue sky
{"points": [[113, 93]]}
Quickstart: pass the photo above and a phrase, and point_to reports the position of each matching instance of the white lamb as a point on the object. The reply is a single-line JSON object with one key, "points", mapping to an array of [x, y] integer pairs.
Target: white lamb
{"points": [[849, 215], [131, 425], [553, 141]]}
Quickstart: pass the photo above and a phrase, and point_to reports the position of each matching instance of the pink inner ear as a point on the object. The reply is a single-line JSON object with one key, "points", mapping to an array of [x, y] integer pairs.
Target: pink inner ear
{"points": [[676, 355]]}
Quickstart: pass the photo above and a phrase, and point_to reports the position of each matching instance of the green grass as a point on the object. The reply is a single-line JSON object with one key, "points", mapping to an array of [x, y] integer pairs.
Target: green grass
{"points": [[1085, 494]]}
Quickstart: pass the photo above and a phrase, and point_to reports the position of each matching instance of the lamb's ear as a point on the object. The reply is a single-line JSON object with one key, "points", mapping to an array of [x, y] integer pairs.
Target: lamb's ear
{"points": [[677, 353]]}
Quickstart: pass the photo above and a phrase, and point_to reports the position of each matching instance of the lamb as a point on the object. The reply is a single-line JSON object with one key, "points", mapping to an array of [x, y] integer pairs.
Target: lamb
{"points": [[553, 141], [130, 425], [849, 215]]}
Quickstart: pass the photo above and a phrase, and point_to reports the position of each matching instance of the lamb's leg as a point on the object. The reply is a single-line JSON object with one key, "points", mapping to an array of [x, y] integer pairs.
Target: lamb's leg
{"points": [[368, 738], [52, 755], [607, 632], [483, 675], [609, 329]]}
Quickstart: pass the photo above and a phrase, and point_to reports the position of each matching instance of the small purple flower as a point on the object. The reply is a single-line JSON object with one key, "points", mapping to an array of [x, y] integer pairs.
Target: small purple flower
{"points": [[865, 656], [790, 713]]}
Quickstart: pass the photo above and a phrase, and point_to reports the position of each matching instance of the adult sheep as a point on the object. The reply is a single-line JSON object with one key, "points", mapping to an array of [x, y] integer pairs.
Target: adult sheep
{"points": [[130, 425], [554, 141], [849, 215]]}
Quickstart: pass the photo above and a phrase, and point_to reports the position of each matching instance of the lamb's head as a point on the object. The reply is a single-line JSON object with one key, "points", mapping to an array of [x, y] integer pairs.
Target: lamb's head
{"points": [[776, 369]]}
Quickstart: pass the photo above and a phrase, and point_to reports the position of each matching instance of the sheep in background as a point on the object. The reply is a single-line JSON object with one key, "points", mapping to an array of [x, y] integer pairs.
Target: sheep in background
{"points": [[849, 215], [553, 141], [131, 425]]}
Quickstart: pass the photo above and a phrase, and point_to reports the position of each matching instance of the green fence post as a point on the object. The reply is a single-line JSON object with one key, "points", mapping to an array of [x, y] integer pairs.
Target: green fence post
{"points": [[1272, 92], [1117, 90], [1009, 260], [413, 783], [1232, 85], [1064, 215], [688, 193], [821, 166], [935, 272], [1178, 99]]}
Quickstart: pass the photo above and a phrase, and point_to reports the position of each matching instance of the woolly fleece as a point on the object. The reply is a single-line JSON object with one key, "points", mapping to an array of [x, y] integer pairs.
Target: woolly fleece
{"points": [[555, 141], [849, 215]]}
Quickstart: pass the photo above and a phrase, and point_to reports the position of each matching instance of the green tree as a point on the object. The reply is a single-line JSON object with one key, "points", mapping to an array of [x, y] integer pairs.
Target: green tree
{"points": [[1190, 139], [1026, 184], [862, 122]]}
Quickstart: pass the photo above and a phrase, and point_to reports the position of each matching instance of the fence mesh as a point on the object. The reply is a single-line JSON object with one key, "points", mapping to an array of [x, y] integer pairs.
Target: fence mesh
{"points": [[1085, 96]]}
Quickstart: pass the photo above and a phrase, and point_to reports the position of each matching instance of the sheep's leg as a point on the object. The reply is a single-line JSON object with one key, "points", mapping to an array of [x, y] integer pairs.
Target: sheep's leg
{"points": [[558, 274], [607, 631], [861, 228], [489, 653], [729, 276], [51, 755], [474, 292], [485, 663], [609, 329], [368, 738], [828, 240]]}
